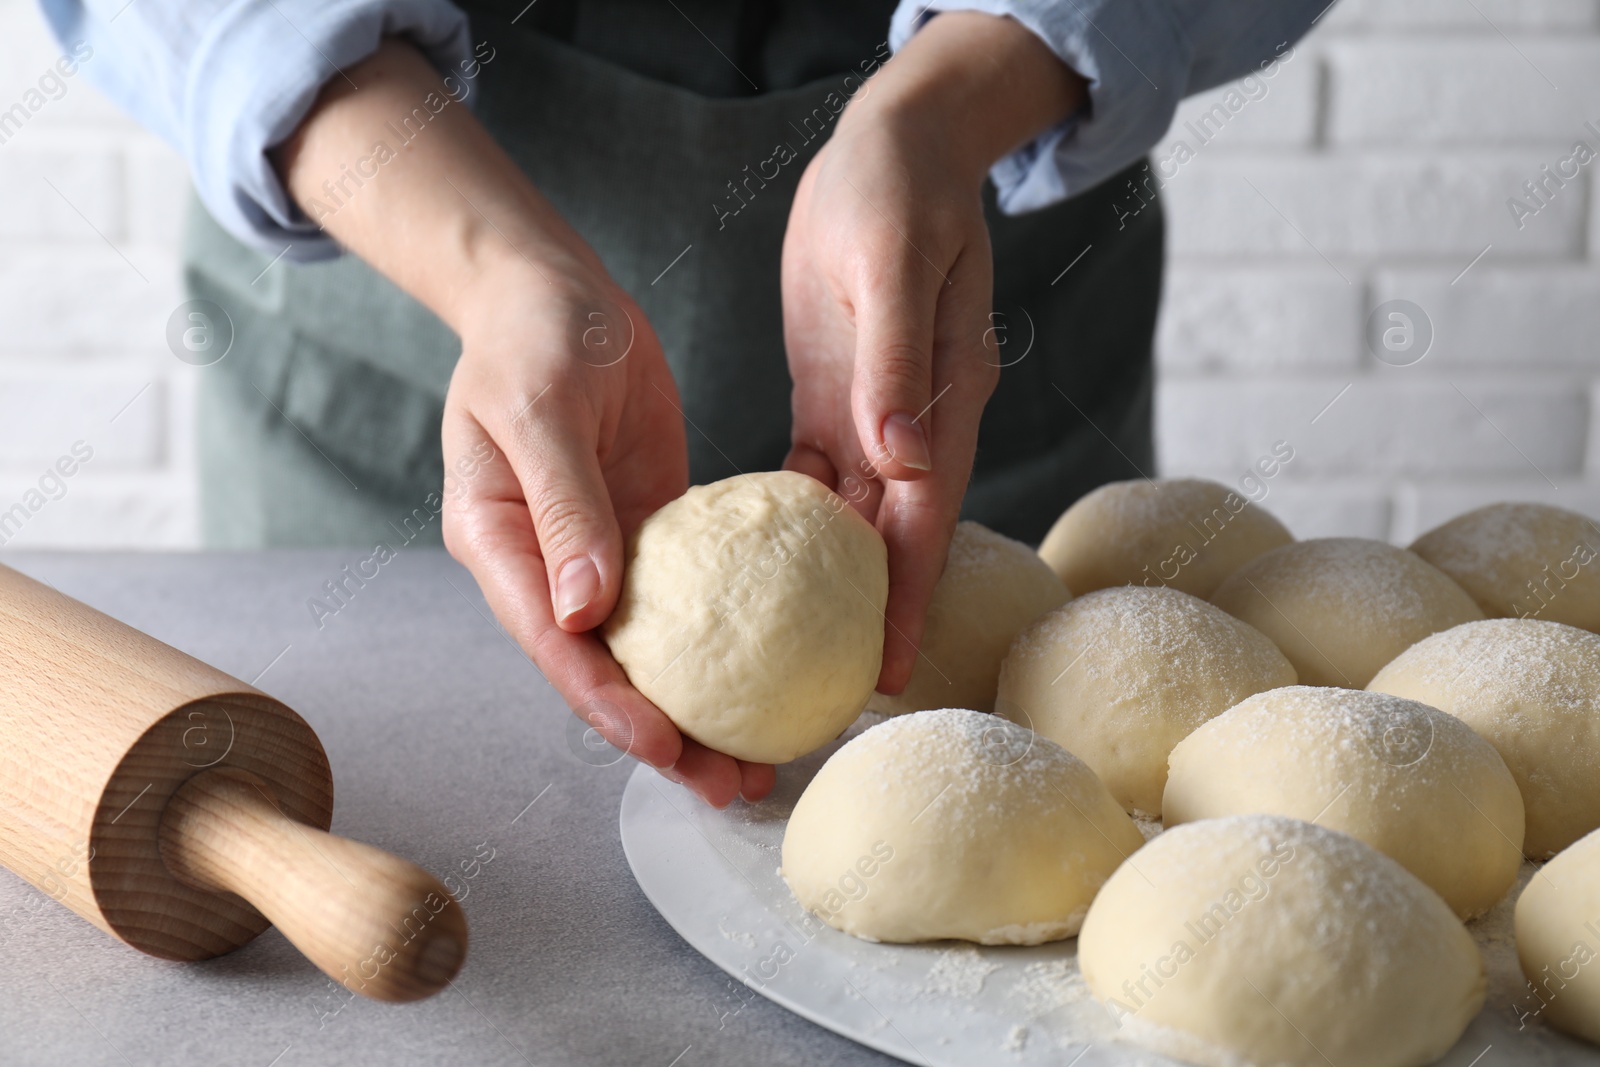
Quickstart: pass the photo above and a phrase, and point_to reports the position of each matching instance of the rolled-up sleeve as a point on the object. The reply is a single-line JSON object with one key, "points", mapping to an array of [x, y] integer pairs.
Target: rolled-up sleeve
{"points": [[1139, 57], [224, 81]]}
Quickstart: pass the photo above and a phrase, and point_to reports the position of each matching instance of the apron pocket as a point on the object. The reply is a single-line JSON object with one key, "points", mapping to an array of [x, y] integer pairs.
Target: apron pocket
{"points": [[382, 432]]}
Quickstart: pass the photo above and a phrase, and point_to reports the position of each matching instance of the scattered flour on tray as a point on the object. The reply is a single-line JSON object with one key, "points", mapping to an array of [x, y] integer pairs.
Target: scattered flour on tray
{"points": [[1048, 985], [959, 972]]}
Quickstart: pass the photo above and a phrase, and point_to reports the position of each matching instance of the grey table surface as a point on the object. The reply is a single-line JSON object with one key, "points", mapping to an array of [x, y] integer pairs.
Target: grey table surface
{"points": [[441, 734]]}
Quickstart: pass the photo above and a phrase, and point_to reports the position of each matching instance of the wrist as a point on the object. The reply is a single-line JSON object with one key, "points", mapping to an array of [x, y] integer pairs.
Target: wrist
{"points": [[972, 85], [487, 268], [450, 218]]}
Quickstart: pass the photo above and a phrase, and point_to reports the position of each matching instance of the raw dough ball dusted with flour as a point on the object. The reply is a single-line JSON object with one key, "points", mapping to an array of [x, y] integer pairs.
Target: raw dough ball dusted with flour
{"points": [[1184, 533], [1522, 560], [1532, 689], [752, 614], [1265, 940], [1414, 783], [954, 824], [1558, 943], [1121, 675], [1342, 607], [992, 587]]}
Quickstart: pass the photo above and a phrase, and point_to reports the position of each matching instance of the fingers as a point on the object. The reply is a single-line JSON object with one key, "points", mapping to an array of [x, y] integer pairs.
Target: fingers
{"points": [[756, 780], [917, 518], [582, 670], [812, 462], [916, 528], [487, 528], [719, 779], [554, 457], [715, 777], [893, 382]]}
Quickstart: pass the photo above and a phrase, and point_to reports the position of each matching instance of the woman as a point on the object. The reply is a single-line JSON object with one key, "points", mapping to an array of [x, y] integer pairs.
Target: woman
{"points": [[587, 232]]}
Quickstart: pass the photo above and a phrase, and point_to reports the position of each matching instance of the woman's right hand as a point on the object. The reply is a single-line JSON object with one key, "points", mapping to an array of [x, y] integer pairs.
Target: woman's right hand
{"points": [[562, 385], [561, 407]]}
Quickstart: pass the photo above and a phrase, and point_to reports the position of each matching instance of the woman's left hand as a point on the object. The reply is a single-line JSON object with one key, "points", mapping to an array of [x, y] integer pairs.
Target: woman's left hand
{"points": [[888, 286]]}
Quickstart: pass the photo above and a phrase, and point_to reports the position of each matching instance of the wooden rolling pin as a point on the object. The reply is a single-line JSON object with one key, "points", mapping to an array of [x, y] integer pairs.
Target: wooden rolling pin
{"points": [[183, 811]]}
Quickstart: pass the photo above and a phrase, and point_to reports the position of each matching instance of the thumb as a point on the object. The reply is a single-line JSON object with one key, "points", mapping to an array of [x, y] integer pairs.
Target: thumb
{"points": [[573, 519], [894, 376]]}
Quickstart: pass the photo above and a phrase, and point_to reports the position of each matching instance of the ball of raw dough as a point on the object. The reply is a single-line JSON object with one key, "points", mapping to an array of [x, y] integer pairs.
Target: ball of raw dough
{"points": [[1185, 533], [1414, 783], [1121, 675], [1532, 689], [1523, 561], [1558, 945], [954, 824], [1260, 939], [991, 588], [752, 614], [1342, 607]]}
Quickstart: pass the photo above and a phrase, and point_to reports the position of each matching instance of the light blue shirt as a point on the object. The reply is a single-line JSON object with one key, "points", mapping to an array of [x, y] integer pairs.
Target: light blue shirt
{"points": [[1140, 58], [226, 80]]}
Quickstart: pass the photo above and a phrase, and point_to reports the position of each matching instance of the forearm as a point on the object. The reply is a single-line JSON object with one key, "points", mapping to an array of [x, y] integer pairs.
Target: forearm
{"points": [[408, 179], [980, 85]]}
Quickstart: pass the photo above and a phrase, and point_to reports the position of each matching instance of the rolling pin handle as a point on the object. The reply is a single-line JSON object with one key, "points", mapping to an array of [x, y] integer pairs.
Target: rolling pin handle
{"points": [[378, 924]]}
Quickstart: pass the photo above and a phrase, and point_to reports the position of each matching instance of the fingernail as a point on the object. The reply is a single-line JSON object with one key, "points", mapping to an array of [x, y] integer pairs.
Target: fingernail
{"points": [[576, 584], [905, 442]]}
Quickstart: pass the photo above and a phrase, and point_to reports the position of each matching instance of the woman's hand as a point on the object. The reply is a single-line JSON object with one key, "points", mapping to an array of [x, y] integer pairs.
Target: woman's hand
{"points": [[887, 280], [561, 406], [888, 285], [563, 386]]}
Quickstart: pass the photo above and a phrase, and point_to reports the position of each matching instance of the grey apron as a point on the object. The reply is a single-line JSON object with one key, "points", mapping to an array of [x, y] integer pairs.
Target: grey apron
{"points": [[321, 425]]}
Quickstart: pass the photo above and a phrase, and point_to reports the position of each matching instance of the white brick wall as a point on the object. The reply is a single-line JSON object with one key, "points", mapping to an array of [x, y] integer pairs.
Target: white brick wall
{"points": [[1376, 166], [1424, 117], [88, 276]]}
